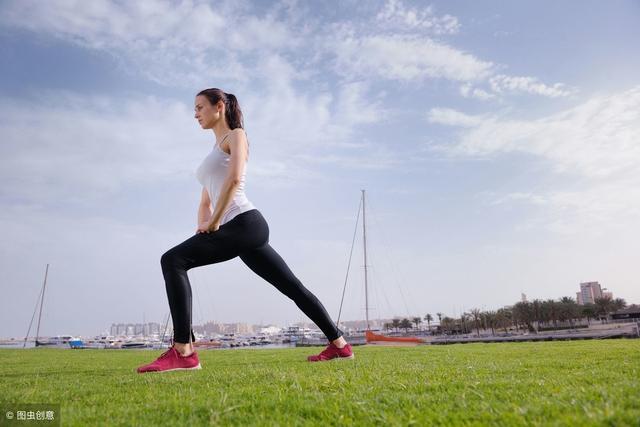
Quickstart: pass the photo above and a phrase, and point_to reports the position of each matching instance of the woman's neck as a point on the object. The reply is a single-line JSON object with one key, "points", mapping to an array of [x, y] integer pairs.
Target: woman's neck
{"points": [[220, 130]]}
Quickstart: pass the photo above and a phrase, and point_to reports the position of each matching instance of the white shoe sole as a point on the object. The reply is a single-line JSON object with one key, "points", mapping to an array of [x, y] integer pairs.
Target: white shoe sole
{"points": [[334, 359], [174, 369], [345, 358]]}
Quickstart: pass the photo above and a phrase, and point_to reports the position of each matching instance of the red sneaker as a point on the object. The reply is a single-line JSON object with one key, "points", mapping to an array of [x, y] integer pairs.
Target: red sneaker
{"points": [[332, 352], [171, 360]]}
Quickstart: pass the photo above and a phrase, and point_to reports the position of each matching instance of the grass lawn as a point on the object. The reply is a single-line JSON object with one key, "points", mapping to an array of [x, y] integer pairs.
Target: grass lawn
{"points": [[577, 383]]}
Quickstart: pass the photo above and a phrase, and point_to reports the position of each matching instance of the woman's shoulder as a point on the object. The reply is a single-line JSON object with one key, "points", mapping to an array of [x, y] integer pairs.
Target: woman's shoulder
{"points": [[238, 134]]}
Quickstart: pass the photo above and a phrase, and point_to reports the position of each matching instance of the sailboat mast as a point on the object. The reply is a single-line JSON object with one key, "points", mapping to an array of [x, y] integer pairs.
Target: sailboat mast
{"points": [[366, 284], [44, 286]]}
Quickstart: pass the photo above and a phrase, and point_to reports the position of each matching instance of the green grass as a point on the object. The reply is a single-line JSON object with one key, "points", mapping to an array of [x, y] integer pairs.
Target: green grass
{"points": [[577, 383]]}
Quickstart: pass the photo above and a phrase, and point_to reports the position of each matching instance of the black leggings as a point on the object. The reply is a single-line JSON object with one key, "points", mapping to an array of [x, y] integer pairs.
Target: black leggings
{"points": [[246, 236]]}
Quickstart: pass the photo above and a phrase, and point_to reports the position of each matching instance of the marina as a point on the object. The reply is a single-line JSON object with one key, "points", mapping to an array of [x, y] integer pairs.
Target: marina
{"points": [[620, 324], [297, 337], [289, 337]]}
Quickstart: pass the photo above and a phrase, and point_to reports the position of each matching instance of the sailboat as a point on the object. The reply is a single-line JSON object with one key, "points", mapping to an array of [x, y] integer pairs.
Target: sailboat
{"points": [[370, 336], [57, 341]]}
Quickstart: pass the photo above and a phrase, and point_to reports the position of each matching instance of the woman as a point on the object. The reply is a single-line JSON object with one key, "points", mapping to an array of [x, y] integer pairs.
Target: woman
{"points": [[234, 228]]}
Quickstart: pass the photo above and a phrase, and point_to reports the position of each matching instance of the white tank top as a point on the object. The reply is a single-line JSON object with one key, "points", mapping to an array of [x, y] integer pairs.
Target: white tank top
{"points": [[212, 173]]}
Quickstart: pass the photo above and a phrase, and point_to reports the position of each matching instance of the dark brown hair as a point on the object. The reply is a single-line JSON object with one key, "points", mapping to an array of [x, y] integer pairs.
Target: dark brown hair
{"points": [[233, 114]]}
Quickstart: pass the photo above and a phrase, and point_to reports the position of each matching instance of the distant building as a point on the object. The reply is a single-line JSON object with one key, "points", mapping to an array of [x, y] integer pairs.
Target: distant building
{"points": [[361, 325], [213, 328], [151, 328], [243, 328], [138, 329], [523, 297], [270, 330], [118, 329], [131, 329], [630, 313], [589, 292]]}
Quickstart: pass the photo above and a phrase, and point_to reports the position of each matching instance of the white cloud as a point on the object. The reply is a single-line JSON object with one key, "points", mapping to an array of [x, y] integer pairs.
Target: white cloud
{"points": [[400, 17], [84, 146], [595, 139], [449, 117], [399, 49], [467, 91], [518, 196], [186, 44], [356, 106], [403, 57], [87, 146], [180, 44], [593, 148], [502, 83], [366, 156], [597, 209]]}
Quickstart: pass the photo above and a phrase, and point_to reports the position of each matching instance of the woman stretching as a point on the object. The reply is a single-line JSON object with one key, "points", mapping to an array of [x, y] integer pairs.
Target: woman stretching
{"points": [[234, 228]]}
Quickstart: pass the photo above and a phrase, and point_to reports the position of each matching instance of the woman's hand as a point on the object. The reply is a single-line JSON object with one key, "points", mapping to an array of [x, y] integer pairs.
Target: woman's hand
{"points": [[213, 227], [207, 227]]}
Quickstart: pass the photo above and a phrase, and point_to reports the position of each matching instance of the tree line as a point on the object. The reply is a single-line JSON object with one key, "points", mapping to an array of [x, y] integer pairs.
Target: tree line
{"points": [[523, 316]]}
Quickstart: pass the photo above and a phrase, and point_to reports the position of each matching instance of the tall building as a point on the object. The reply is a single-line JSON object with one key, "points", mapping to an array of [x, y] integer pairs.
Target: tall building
{"points": [[589, 292], [140, 329], [243, 328], [224, 328]]}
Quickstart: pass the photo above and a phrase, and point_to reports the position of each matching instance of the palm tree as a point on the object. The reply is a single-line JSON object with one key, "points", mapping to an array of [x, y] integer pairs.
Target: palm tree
{"points": [[568, 310], [503, 318], [619, 304], [446, 323], [553, 310], [589, 311], [476, 319], [405, 324], [538, 314], [417, 321], [440, 321], [604, 306], [463, 320], [523, 315], [388, 326], [428, 318], [396, 324], [491, 319]]}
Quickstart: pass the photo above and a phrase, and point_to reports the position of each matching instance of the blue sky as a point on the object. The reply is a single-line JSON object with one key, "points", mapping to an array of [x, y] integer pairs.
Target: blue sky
{"points": [[499, 144]]}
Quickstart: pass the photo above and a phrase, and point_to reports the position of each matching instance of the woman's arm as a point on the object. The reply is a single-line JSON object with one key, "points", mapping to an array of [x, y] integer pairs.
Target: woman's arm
{"points": [[238, 148], [204, 209]]}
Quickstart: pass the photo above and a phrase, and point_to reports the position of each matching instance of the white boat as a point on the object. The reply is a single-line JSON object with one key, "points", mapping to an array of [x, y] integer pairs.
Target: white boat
{"points": [[136, 344], [60, 341]]}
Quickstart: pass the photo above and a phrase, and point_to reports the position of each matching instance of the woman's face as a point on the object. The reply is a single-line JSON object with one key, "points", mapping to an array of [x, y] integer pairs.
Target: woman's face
{"points": [[207, 114]]}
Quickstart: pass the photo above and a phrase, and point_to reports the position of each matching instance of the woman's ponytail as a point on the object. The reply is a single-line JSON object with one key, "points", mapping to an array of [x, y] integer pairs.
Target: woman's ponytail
{"points": [[233, 112]]}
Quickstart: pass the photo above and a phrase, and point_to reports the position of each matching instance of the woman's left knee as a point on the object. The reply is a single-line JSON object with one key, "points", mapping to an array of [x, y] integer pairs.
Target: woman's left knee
{"points": [[170, 259]]}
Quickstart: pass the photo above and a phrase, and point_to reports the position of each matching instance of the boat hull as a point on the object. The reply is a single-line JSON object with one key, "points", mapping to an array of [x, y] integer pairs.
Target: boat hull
{"points": [[373, 338]]}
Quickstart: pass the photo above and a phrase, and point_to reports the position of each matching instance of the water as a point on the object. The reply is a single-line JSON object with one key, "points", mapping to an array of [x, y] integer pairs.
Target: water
{"points": [[290, 345], [31, 344], [19, 344]]}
